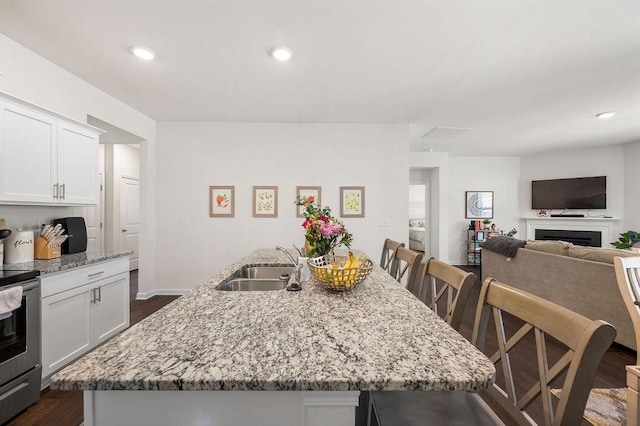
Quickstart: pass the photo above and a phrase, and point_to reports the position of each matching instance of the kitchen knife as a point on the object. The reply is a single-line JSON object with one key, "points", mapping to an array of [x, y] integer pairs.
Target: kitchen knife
{"points": [[48, 233]]}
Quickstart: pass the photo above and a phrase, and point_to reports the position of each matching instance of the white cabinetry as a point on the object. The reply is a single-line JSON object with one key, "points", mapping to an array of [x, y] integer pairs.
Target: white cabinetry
{"points": [[82, 308], [27, 144], [77, 165], [46, 158]]}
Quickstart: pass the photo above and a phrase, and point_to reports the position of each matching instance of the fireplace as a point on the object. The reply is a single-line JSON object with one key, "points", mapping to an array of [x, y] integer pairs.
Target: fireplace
{"points": [[604, 226], [578, 238]]}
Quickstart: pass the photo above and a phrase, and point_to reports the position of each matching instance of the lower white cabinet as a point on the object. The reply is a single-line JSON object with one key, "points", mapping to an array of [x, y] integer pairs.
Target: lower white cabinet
{"points": [[82, 308], [111, 315]]}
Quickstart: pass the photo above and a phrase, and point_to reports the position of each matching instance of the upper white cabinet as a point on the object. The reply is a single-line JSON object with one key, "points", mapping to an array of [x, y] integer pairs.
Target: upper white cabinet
{"points": [[77, 165], [27, 148], [46, 158]]}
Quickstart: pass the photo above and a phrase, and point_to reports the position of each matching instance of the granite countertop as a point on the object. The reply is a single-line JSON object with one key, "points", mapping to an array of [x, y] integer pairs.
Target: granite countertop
{"points": [[65, 261], [376, 337]]}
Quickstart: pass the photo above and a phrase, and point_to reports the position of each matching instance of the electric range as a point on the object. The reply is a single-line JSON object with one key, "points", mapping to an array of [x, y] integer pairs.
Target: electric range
{"points": [[12, 277], [20, 369]]}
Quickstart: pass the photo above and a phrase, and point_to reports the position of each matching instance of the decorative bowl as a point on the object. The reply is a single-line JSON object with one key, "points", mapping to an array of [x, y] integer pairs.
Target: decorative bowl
{"points": [[329, 271]]}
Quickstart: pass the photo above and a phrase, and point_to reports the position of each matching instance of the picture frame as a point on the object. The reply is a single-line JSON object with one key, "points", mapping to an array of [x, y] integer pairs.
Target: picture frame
{"points": [[265, 201], [222, 200], [479, 204], [352, 201], [307, 191]]}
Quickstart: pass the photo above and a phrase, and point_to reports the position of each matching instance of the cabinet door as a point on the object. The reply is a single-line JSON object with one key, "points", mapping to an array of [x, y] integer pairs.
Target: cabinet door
{"points": [[77, 165], [66, 328], [112, 307], [28, 164]]}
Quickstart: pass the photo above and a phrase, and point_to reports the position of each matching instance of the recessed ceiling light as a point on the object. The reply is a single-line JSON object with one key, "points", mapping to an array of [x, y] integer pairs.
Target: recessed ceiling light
{"points": [[281, 53], [143, 52], [605, 115]]}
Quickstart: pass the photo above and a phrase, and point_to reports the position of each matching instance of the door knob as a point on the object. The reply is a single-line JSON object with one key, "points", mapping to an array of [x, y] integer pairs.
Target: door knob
{"points": [[124, 230]]}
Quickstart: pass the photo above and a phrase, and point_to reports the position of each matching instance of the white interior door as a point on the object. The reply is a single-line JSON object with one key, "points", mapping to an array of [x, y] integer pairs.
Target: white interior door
{"points": [[130, 218], [94, 219]]}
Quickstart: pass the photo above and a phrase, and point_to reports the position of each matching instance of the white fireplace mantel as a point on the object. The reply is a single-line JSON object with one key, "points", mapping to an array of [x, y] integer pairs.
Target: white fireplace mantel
{"points": [[602, 224]]}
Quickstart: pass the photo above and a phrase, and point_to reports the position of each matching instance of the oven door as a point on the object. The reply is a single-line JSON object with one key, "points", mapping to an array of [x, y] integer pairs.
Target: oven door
{"points": [[20, 334]]}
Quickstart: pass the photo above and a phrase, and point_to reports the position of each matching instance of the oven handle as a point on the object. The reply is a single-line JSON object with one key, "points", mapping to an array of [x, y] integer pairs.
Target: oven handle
{"points": [[14, 390], [30, 285]]}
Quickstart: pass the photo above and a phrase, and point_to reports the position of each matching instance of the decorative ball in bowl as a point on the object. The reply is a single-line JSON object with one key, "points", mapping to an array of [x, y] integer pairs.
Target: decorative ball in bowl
{"points": [[340, 273]]}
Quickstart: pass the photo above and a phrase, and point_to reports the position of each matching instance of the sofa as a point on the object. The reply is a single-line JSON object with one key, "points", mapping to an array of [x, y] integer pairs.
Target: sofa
{"points": [[581, 279]]}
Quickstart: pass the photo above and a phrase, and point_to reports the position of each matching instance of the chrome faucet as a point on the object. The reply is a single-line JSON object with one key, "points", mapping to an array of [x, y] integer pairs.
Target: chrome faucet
{"points": [[284, 250], [296, 283]]}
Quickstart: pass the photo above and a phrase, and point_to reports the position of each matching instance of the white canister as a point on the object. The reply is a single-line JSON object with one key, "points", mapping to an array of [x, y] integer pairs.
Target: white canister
{"points": [[305, 272], [19, 247]]}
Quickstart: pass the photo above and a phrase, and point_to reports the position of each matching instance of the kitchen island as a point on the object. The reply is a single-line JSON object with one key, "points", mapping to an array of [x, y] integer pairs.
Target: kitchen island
{"points": [[272, 357]]}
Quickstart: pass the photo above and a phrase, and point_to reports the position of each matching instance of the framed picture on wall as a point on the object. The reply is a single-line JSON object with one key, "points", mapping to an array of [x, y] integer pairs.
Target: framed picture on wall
{"points": [[222, 201], [352, 201], [265, 201], [479, 204], [307, 191]]}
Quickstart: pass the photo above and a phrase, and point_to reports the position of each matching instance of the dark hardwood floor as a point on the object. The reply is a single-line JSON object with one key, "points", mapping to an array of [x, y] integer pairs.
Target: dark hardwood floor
{"points": [[65, 407]]}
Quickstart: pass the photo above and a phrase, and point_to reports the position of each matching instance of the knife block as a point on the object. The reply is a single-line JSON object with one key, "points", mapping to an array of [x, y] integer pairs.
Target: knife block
{"points": [[44, 252]]}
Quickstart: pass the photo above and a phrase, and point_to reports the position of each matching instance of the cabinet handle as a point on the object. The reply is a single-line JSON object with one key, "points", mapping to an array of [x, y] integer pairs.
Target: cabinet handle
{"points": [[95, 274], [93, 295], [63, 190], [55, 191], [99, 294]]}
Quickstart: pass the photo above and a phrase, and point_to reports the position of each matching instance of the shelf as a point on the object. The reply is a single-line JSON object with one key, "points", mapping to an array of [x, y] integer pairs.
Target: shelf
{"points": [[474, 251]]}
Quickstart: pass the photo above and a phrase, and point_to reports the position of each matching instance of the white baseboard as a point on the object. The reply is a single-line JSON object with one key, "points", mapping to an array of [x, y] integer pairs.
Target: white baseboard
{"points": [[161, 292]]}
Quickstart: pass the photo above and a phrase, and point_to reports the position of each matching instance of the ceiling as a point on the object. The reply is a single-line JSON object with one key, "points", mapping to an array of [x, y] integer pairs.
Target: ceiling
{"points": [[525, 76]]}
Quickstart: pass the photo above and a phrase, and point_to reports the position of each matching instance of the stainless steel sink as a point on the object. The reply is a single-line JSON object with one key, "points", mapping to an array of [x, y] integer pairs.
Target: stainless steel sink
{"points": [[258, 278], [252, 284], [264, 271]]}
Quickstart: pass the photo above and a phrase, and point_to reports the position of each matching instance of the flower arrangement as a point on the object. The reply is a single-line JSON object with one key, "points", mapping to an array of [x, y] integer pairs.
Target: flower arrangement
{"points": [[323, 231]]}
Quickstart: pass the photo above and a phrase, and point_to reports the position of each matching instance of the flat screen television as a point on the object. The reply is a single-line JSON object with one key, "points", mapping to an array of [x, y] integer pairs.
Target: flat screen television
{"points": [[575, 193]]}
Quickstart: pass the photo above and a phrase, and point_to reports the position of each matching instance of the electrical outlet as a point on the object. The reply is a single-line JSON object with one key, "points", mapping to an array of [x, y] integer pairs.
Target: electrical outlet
{"points": [[384, 221], [184, 221]]}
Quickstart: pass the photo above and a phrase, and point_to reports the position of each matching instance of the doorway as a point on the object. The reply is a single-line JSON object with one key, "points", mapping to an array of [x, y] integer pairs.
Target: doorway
{"points": [[418, 218], [121, 189], [94, 220]]}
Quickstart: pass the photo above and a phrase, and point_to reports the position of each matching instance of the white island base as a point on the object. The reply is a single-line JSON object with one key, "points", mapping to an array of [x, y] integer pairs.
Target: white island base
{"points": [[218, 408]]}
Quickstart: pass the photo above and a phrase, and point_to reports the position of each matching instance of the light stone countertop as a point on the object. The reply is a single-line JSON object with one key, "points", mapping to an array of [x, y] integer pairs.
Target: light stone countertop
{"points": [[65, 262], [376, 337]]}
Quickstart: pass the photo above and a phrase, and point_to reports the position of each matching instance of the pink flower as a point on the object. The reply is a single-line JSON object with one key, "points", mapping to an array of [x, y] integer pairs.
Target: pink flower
{"points": [[330, 229]]}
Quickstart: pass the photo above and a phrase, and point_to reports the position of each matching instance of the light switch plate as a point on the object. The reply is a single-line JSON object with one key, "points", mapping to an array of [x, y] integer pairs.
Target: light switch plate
{"points": [[184, 221], [384, 221]]}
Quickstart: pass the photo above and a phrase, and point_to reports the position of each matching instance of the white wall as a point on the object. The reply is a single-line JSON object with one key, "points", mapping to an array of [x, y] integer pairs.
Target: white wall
{"points": [[193, 156], [631, 193], [31, 77], [608, 161], [497, 174]]}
